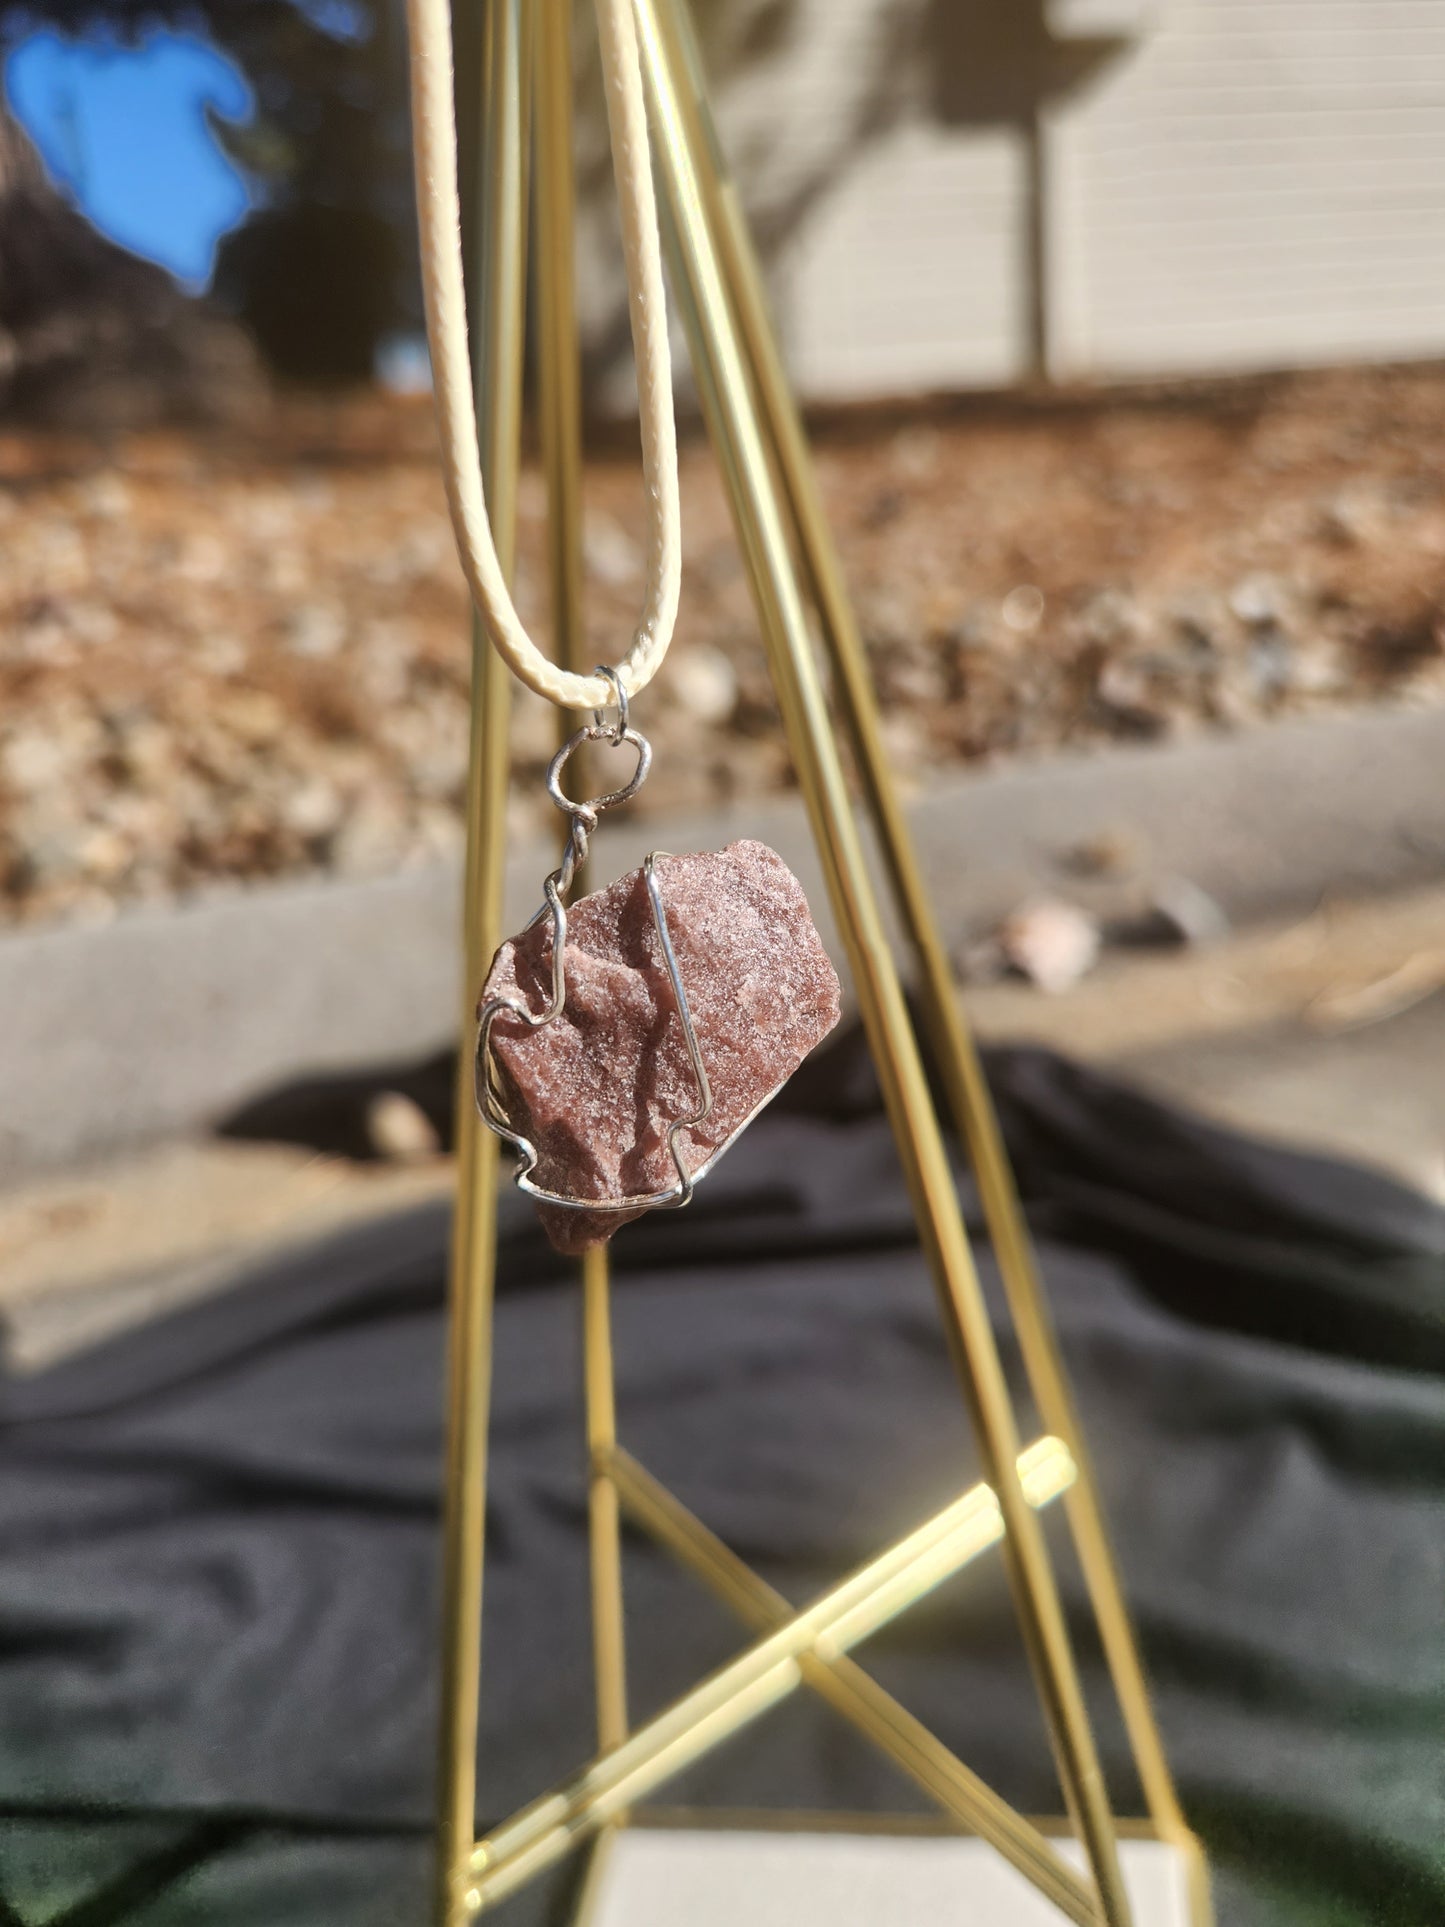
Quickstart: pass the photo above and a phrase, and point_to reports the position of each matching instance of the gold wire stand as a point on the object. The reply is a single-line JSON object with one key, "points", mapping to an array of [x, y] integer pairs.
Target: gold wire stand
{"points": [[525, 111]]}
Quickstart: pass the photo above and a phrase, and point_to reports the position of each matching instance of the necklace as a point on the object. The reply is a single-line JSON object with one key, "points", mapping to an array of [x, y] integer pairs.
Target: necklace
{"points": [[624, 1041]]}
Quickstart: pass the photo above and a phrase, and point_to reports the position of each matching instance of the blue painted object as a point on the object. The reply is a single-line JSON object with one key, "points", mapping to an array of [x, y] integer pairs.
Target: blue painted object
{"points": [[123, 130]]}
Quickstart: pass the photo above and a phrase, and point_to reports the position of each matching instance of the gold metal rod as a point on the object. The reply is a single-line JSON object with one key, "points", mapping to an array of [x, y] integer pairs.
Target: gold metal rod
{"points": [[850, 1611], [729, 405], [608, 1805], [590, 1887], [968, 1095], [559, 389], [498, 214], [609, 1645], [855, 1694]]}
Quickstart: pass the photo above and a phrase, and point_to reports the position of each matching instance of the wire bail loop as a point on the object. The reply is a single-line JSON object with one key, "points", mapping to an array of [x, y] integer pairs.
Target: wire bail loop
{"points": [[619, 702], [582, 813]]}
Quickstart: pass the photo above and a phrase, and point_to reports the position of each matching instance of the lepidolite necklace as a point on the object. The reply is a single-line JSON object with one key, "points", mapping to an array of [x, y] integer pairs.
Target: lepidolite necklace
{"points": [[622, 1042]]}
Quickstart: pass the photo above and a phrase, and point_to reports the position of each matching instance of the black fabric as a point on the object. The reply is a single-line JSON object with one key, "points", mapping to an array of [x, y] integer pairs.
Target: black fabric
{"points": [[218, 1535]]}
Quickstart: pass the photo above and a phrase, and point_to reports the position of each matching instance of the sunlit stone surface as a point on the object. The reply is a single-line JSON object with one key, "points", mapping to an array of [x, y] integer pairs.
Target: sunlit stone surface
{"points": [[596, 1090]]}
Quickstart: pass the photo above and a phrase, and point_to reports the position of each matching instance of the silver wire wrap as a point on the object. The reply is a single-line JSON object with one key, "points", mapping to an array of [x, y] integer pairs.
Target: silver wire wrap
{"points": [[582, 821]]}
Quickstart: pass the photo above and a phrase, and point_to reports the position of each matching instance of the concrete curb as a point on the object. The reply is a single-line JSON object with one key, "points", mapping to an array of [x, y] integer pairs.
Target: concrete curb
{"points": [[165, 1020]]}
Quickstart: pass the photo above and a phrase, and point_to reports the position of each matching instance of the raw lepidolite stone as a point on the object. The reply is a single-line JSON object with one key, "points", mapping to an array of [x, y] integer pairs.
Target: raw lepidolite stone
{"points": [[596, 1089]]}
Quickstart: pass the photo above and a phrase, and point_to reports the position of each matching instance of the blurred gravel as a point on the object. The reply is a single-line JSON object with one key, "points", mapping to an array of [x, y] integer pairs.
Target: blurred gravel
{"points": [[244, 655]]}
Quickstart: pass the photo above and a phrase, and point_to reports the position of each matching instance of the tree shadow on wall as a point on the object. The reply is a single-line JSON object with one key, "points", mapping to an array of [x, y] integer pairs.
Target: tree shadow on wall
{"points": [[996, 63], [878, 64], [784, 162]]}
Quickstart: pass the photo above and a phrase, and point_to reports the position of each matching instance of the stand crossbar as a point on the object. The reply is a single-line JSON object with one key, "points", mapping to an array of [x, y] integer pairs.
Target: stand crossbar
{"points": [[760, 1676], [849, 1690]]}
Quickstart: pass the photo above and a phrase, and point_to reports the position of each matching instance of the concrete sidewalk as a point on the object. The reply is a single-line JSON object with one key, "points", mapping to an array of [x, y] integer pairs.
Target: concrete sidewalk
{"points": [[161, 1022]]}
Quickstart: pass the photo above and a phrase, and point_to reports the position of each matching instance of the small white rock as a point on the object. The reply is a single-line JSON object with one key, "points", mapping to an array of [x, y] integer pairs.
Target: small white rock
{"points": [[105, 854], [1316, 669], [705, 683], [316, 630], [203, 558], [400, 1130], [1256, 600], [314, 809], [105, 496], [1112, 617], [34, 759], [1124, 686], [222, 653], [1023, 609], [1050, 942]]}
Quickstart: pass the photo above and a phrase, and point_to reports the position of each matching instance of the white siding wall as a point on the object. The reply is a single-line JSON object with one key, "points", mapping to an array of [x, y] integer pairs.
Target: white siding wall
{"points": [[1254, 183], [1261, 183], [908, 276]]}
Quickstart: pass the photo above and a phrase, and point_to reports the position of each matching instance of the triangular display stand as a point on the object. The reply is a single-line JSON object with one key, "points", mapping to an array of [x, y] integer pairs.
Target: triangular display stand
{"points": [[520, 120]]}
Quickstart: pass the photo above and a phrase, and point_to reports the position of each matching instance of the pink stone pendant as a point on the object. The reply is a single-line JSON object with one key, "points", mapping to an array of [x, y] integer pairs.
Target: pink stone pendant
{"points": [[688, 993]]}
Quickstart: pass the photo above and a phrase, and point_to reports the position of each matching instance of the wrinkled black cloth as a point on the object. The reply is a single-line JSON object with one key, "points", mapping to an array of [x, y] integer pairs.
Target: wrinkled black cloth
{"points": [[218, 1534]]}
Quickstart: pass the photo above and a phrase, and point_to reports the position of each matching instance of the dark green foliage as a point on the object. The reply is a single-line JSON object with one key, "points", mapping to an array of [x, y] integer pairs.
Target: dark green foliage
{"points": [[328, 256]]}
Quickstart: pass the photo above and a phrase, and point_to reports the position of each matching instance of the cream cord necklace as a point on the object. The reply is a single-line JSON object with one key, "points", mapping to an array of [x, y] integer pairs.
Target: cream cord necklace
{"points": [[435, 147], [617, 1094]]}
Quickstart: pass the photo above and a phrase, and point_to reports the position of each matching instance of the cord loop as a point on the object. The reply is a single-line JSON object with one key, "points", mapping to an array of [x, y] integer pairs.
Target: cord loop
{"points": [[434, 139]]}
